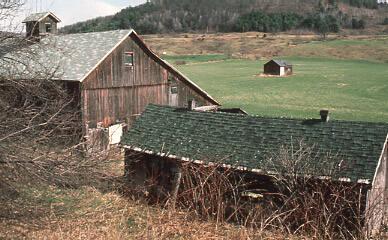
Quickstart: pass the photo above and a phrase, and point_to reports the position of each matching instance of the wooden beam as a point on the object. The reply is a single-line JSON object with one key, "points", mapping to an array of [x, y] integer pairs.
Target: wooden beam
{"points": [[207, 108], [176, 185]]}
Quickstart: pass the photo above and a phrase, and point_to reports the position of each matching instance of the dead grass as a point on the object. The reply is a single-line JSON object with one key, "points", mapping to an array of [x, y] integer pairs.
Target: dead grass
{"points": [[253, 45], [101, 210], [89, 213]]}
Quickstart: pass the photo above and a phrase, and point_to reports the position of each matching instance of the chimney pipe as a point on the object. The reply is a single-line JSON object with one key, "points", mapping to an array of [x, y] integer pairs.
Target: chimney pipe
{"points": [[324, 115], [191, 105]]}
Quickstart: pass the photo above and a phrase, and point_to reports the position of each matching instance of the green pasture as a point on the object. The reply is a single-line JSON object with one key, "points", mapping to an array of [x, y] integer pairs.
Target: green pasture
{"points": [[350, 89], [195, 58]]}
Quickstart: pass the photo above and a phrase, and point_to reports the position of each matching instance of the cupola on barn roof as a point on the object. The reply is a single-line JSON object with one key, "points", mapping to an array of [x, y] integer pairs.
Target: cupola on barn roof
{"points": [[37, 17], [41, 24]]}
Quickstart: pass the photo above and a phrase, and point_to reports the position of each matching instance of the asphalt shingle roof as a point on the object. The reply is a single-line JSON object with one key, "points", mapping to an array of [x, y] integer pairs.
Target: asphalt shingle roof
{"points": [[75, 55], [247, 140], [281, 63]]}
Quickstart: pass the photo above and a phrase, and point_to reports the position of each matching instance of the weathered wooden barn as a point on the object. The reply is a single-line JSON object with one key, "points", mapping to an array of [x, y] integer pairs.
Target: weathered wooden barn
{"points": [[358, 150], [278, 67], [114, 74], [41, 24]]}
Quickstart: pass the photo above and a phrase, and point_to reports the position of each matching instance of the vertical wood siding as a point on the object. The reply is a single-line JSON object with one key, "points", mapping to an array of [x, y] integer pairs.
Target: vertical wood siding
{"points": [[377, 212], [115, 92], [42, 25]]}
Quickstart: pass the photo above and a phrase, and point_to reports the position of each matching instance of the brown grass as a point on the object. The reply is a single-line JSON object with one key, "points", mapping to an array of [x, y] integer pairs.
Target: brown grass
{"points": [[253, 45], [100, 210], [88, 213]]}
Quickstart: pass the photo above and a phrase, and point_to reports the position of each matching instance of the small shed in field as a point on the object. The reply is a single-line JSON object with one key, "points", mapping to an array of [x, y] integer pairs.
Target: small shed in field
{"points": [[357, 150], [278, 68]]}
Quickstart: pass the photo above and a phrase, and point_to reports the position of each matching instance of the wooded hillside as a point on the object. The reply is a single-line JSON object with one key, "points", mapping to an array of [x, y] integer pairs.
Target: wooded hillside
{"points": [[166, 16]]}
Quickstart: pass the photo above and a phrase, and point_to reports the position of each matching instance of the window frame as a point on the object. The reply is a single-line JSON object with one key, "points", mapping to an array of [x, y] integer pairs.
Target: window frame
{"points": [[174, 90], [48, 27], [126, 55]]}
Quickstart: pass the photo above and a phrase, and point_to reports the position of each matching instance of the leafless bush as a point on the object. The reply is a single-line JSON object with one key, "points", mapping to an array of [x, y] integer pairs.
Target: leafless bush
{"points": [[40, 133], [205, 189], [40, 119], [299, 194], [318, 203]]}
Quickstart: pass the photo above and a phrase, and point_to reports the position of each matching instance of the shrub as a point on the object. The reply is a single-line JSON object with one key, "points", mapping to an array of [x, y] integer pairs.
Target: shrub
{"points": [[358, 24]]}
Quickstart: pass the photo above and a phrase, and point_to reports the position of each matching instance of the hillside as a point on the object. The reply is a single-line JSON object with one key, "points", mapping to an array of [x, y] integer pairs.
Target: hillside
{"points": [[346, 74], [166, 16]]}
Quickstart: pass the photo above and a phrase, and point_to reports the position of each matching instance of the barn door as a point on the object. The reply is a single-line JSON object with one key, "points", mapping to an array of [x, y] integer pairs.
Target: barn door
{"points": [[172, 91], [173, 101], [282, 71]]}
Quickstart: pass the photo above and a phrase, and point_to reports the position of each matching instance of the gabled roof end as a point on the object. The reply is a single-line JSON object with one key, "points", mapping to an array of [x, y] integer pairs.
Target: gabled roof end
{"points": [[37, 17]]}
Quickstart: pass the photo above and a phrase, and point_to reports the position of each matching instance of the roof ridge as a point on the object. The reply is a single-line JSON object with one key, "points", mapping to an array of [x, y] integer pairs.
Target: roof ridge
{"points": [[275, 117], [82, 33], [39, 16]]}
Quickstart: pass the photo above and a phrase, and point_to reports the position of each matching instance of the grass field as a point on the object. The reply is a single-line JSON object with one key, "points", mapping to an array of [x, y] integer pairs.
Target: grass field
{"points": [[351, 89], [328, 74]]}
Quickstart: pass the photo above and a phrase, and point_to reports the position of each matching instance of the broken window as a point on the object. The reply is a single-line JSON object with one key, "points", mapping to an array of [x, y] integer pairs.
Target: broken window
{"points": [[174, 90], [128, 59], [48, 27]]}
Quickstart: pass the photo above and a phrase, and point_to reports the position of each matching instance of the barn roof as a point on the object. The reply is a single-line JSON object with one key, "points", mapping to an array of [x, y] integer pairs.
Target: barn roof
{"points": [[247, 141], [36, 17], [74, 56]]}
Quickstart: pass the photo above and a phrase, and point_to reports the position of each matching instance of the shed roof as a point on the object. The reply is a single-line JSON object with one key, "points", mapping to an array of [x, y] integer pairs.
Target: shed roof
{"points": [[247, 141], [36, 17], [280, 63]]}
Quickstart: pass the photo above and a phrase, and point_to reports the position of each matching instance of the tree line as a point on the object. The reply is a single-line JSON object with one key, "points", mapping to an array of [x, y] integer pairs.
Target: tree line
{"points": [[372, 4], [165, 16]]}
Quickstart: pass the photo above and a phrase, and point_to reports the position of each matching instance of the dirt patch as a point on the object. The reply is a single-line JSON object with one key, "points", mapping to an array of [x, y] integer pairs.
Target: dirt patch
{"points": [[262, 75], [342, 84]]}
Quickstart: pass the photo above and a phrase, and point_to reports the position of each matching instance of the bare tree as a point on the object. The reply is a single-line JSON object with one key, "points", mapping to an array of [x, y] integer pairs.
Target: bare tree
{"points": [[40, 127], [298, 192]]}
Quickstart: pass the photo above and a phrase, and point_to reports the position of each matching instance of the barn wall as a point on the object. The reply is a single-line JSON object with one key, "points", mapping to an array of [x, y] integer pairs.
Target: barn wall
{"points": [[32, 29], [377, 214], [115, 92], [42, 26], [282, 71], [183, 93], [386, 188], [271, 68], [288, 70]]}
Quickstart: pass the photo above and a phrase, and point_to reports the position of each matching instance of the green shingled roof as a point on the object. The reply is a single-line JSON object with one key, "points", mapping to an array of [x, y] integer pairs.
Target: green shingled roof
{"points": [[246, 140], [73, 56]]}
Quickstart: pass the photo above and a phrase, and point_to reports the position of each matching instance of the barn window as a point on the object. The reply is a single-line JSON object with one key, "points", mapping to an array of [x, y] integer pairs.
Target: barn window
{"points": [[128, 59], [174, 90], [48, 27]]}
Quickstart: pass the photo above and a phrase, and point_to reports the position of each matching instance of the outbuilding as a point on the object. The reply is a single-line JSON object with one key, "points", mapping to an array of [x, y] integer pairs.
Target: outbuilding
{"points": [[278, 68]]}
